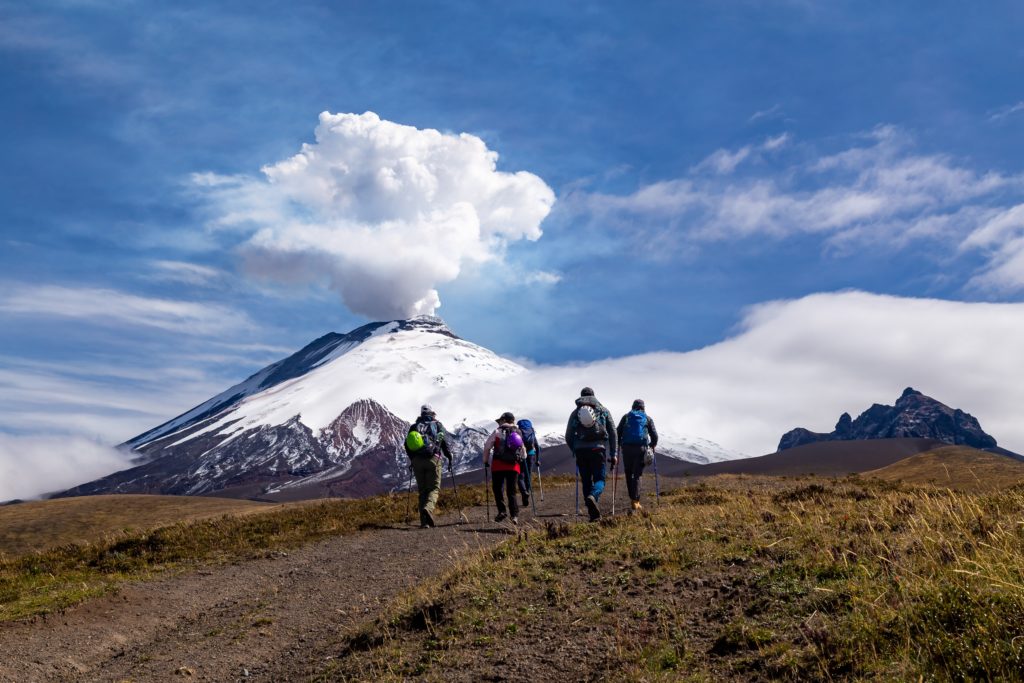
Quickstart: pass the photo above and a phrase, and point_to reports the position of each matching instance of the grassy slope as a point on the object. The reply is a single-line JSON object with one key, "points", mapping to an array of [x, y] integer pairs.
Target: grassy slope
{"points": [[42, 524], [55, 578], [748, 579], [958, 467]]}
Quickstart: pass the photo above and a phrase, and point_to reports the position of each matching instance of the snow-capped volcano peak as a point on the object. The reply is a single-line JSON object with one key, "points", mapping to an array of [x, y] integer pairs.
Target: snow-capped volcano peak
{"points": [[399, 363]]}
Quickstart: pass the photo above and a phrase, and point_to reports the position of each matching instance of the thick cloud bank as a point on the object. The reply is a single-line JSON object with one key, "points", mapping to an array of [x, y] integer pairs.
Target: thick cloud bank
{"points": [[33, 465], [385, 212], [798, 363]]}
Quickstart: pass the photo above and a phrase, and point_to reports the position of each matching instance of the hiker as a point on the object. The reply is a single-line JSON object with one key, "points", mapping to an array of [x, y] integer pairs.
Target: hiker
{"points": [[590, 435], [425, 443], [532, 459], [503, 453], [637, 440]]}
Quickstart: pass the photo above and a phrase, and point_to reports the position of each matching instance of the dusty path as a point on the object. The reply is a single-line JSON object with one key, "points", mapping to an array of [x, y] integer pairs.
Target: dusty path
{"points": [[268, 619]]}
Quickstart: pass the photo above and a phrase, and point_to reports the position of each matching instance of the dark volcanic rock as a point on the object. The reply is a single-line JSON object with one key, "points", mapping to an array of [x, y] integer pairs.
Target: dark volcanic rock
{"points": [[913, 416]]}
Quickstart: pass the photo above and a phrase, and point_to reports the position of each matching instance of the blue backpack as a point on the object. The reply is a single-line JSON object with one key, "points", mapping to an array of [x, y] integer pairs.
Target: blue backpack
{"points": [[636, 428], [529, 436]]}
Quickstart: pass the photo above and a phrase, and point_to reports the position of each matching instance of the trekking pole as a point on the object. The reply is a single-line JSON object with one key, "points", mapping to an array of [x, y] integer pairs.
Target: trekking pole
{"points": [[657, 489], [615, 486], [487, 495], [455, 487], [540, 482], [533, 498], [577, 492], [408, 497]]}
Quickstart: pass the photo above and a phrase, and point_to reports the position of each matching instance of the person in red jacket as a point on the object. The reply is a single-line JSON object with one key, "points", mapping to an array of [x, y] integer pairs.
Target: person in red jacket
{"points": [[504, 454]]}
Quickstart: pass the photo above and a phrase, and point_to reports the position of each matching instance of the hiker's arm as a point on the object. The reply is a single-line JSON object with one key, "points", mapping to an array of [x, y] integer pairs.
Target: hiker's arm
{"points": [[613, 438], [488, 446], [622, 427], [405, 443], [652, 430], [570, 432]]}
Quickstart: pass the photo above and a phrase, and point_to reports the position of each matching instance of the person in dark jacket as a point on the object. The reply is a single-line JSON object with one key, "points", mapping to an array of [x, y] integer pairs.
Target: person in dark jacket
{"points": [[426, 461], [590, 434], [532, 460], [637, 434]]}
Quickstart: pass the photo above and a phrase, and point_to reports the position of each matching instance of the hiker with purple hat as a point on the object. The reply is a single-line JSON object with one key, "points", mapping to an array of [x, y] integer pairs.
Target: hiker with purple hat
{"points": [[504, 454]]}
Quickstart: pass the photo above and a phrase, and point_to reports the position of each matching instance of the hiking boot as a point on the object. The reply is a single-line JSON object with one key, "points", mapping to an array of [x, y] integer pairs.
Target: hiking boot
{"points": [[526, 499], [595, 512], [427, 520], [500, 517], [637, 506], [515, 520]]}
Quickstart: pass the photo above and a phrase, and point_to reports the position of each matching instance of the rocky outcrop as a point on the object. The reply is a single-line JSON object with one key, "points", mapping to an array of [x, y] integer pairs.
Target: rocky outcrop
{"points": [[913, 416]]}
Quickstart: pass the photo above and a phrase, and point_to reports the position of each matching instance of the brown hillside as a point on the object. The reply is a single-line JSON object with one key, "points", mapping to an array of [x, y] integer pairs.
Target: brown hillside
{"points": [[46, 523], [955, 467]]}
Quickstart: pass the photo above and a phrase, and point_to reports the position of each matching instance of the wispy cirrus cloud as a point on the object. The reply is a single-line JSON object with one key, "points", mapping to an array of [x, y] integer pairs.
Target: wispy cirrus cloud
{"points": [[879, 190], [113, 307], [1006, 112]]}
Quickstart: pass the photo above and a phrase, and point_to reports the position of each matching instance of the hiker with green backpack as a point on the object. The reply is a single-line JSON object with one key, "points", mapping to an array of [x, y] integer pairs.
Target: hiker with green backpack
{"points": [[637, 439], [590, 434], [424, 444], [505, 456]]}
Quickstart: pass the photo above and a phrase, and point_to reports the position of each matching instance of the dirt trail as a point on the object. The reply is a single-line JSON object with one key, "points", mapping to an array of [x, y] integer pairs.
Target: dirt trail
{"points": [[269, 619]]}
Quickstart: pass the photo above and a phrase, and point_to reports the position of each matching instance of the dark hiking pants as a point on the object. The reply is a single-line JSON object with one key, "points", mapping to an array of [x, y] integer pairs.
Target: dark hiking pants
{"points": [[592, 471], [633, 464], [525, 478], [505, 481]]}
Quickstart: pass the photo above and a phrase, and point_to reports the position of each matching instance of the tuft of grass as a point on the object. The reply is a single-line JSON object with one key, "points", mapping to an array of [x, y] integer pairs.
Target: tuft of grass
{"points": [[56, 578], [739, 579]]}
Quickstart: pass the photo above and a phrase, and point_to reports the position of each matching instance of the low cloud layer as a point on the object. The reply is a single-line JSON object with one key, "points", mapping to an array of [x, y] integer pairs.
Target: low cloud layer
{"points": [[798, 363], [384, 212], [34, 465]]}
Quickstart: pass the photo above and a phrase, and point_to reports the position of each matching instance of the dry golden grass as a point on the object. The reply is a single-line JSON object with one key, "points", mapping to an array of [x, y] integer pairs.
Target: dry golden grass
{"points": [[739, 579], [38, 525], [956, 467]]}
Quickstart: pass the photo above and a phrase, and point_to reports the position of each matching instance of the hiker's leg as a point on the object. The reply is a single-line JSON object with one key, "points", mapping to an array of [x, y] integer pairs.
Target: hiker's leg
{"points": [[584, 462], [633, 461], [599, 472], [419, 471], [433, 478], [497, 483], [510, 485]]}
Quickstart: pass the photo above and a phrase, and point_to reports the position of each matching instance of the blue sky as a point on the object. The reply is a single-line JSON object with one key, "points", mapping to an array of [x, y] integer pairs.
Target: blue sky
{"points": [[704, 157]]}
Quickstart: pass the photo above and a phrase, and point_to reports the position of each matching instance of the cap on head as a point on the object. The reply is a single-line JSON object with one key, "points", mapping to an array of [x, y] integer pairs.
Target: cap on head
{"points": [[638, 404], [426, 409], [586, 391], [506, 418]]}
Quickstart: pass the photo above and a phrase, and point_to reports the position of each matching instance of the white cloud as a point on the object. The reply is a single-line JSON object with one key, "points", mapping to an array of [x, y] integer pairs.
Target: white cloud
{"points": [[798, 363], [112, 307], [1006, 112], [184, 272], [385, 212], [876, 191], [34, 465]]}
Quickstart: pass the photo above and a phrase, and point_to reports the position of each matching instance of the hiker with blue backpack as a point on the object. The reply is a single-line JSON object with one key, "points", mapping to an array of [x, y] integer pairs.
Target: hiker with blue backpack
{"points": [[637, 437], [532, 461], [504, 455], [424, 444], [590, 434]]}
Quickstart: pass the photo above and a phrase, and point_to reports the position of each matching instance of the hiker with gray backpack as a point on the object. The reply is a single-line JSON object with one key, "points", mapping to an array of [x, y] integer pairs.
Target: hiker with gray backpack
{"points": [[505, 455], [637, 438], [424, 444], [590, 434], [532, 461]]}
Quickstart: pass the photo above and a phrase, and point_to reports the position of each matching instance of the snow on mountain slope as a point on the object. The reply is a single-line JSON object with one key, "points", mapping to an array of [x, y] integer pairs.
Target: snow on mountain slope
{"points": [[397, 363]]}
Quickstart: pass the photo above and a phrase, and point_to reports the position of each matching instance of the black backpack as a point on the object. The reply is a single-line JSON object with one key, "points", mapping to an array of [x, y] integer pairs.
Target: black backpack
{"points": [[597, 431], [502, 450]]}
